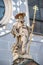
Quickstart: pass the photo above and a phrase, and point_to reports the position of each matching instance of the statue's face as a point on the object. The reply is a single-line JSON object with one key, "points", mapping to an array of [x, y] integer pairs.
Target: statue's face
{"points": [[21, 19], [20, 22]]}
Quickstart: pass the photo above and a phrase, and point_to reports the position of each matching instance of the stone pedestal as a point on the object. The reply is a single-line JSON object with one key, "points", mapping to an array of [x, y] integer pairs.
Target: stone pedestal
{"points": [[22, 56], [22, 61]]}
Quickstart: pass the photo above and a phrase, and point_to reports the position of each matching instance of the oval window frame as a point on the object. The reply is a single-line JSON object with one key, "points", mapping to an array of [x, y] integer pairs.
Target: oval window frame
{"points": [[8, 12]]}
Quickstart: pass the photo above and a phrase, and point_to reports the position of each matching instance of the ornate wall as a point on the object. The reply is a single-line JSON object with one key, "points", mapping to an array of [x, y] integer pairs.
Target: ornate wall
{"points": [[36, 48]]}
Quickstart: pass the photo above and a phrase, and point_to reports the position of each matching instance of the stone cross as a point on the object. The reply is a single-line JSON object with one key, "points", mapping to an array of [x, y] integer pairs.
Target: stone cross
{"points": [[35, 9]]}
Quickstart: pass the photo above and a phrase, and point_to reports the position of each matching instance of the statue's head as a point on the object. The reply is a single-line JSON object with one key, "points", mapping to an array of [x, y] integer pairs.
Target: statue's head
{"points": [[20, 17]]}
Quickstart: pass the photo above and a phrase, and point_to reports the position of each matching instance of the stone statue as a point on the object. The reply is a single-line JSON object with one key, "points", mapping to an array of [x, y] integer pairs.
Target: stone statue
{"points": [[21, 32], [20, 50]]}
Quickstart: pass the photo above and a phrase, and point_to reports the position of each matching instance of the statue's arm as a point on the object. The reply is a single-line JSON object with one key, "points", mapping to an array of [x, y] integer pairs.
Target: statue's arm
{"points": [[29, 28], [13, 31]]}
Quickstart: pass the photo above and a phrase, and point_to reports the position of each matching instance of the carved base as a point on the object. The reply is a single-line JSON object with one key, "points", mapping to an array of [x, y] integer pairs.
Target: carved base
{"points": [[22, 56], [22, 61]]}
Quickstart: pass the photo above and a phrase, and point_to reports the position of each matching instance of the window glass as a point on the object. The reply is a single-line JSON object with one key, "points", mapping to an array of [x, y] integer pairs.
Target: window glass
{"points": [[41, 3], [31, 11], [2, 9], [32, 2], [39, 15]]}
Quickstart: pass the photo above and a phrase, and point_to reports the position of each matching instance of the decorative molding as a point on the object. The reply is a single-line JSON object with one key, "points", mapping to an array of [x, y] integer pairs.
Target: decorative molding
{"points": [[27, 12], [8, 12]]}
